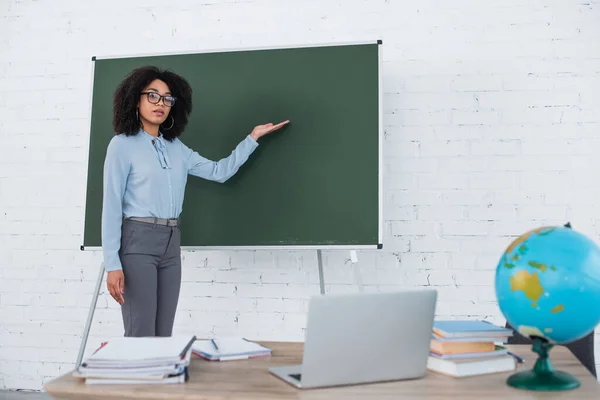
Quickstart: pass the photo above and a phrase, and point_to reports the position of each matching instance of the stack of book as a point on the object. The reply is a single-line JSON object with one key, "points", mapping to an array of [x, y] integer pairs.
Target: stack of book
{"points": [[227, 349], [143, 360], [465, 348]]}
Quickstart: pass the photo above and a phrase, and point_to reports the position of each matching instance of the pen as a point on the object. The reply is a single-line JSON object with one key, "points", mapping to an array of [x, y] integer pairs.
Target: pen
{"points": [[214, 344], [519, 359]]}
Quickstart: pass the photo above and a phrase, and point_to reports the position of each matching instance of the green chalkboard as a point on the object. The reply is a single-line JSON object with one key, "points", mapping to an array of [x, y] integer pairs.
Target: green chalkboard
{"points": [[315, 184]]}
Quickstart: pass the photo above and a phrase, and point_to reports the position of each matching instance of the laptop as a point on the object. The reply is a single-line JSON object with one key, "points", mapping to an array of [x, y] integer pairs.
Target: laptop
{"points": [[364, 338]]}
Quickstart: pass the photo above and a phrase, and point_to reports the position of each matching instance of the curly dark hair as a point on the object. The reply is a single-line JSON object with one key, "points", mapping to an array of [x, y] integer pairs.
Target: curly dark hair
{"points": [[127, 96]]}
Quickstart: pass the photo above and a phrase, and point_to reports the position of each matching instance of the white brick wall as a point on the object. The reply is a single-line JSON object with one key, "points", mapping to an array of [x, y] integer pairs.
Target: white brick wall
{"points": [[491, 122]]}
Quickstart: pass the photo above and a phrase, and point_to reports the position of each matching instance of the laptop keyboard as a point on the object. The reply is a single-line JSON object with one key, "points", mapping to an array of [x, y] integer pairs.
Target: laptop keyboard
{"points": [[296, 376]]}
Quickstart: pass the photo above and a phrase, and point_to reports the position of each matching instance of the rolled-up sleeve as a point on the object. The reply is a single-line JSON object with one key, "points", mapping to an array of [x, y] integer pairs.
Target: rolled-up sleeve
{"points": [[222, 170], [116, 171]]}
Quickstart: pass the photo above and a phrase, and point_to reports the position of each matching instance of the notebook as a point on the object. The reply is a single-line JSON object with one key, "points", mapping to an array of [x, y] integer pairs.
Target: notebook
{"points": [[141, 351], [138, 360], [172, 379], [118, 371], [227, 349]]}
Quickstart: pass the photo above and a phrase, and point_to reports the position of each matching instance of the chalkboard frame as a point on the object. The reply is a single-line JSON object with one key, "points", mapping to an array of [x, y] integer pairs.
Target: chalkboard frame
{"points": [[234, 49]]}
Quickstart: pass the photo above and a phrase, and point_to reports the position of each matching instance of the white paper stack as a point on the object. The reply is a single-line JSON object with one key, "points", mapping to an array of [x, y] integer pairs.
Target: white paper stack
{"points": [[145, 360]]}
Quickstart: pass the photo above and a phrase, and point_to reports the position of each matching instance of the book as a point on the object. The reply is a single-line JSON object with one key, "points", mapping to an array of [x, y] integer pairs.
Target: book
{"points": [[471, 367], [499, 351], [498, 339], [228, 349], [457, 329], [441, 347]]}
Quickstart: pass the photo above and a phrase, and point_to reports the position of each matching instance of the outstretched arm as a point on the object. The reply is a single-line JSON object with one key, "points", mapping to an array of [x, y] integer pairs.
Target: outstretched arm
{"points": [[222, 170]]}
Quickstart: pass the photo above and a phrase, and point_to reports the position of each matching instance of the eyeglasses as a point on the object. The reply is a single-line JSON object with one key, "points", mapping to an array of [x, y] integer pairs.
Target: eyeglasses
{"points": [[154, 98]]}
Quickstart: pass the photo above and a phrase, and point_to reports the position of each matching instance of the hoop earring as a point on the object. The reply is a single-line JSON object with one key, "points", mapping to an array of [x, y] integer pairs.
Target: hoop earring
{"points": [[137, 115], [172, 123]]}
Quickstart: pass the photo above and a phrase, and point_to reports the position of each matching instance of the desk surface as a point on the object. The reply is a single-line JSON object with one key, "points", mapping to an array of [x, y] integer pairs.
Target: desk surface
{"points": [[249, 379]]}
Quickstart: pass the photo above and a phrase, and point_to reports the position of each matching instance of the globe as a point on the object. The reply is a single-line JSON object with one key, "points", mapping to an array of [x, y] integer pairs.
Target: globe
{"points": [[548, 288]]}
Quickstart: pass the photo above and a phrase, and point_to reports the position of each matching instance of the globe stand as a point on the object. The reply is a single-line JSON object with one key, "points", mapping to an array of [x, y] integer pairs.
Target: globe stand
{"points": [[543, 376]]}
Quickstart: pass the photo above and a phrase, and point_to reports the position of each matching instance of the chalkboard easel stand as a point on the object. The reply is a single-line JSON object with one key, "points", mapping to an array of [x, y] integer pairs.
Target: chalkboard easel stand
{"points": [[90, 317], [353, 259]]}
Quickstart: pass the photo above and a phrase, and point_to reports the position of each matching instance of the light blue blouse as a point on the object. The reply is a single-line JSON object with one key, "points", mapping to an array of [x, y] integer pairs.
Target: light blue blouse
{"points": [[146, 176]]}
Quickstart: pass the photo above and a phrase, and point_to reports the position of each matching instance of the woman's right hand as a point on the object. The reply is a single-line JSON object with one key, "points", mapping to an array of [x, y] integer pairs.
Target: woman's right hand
{"points": [[115, 282]]}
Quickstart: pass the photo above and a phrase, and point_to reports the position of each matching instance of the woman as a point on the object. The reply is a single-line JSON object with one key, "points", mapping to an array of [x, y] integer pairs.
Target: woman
{"points": [[145, 172]]}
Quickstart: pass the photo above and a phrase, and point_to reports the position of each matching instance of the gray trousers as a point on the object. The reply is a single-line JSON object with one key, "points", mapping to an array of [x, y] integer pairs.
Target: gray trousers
{"points": [[151, 259]]}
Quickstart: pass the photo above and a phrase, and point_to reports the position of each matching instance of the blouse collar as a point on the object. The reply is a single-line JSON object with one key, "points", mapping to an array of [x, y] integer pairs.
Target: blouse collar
{"points": [[161, 149]]}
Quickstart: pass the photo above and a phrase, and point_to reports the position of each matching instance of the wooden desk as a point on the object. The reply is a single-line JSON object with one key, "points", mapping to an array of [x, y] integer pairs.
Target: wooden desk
{"points": [[249, 379]]}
